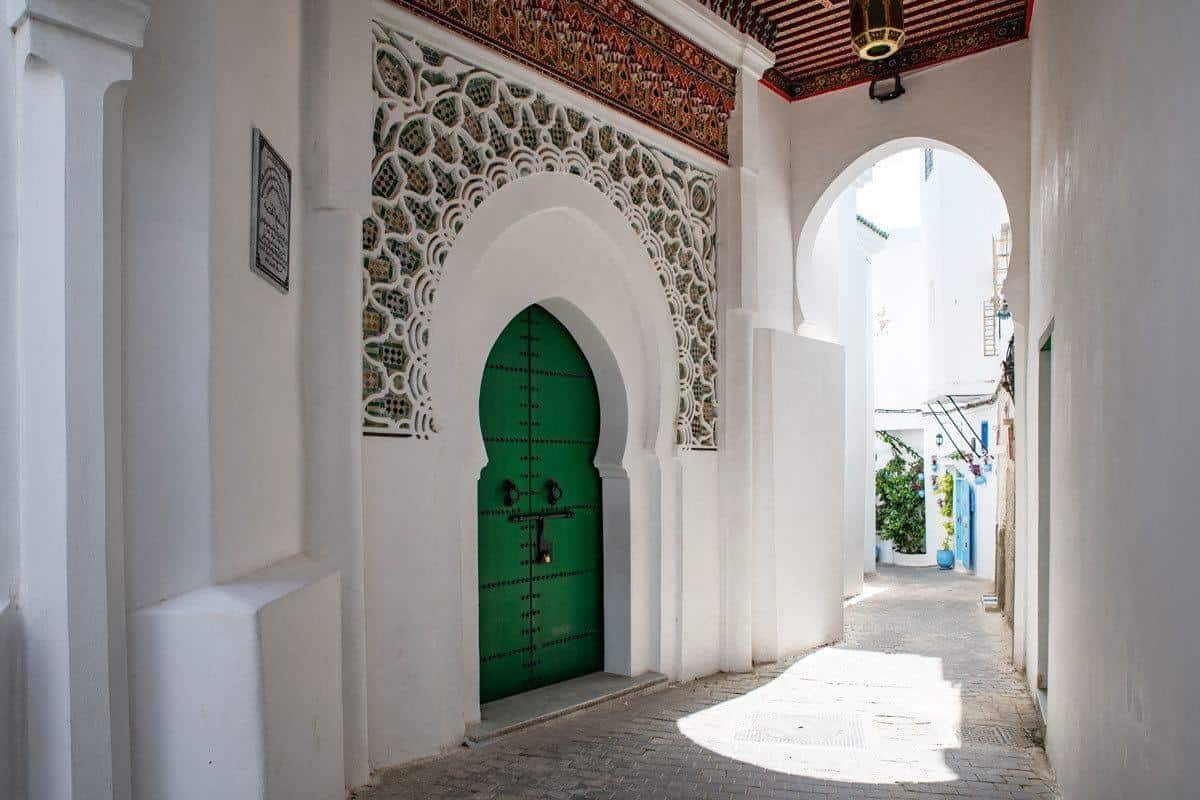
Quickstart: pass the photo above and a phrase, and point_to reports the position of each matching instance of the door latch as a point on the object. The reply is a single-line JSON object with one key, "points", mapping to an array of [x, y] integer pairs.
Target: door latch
{"points": [[545, 548], [544, 553]]}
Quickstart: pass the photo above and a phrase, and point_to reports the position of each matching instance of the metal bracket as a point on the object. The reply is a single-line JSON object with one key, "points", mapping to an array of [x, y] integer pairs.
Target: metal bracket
{"points": [[897, 89]]}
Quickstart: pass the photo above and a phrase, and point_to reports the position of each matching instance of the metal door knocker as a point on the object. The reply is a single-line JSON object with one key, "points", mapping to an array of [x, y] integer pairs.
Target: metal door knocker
{"points": [[554, 492], [511, 493]]}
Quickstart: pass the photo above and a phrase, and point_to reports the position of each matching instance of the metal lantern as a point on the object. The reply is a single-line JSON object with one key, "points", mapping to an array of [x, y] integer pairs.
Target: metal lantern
{"points": [[876, 28]]}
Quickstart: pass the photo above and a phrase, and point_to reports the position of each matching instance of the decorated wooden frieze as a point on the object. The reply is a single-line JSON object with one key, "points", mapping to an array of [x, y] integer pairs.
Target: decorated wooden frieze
{"points": [[612, 50], [447, 135]]}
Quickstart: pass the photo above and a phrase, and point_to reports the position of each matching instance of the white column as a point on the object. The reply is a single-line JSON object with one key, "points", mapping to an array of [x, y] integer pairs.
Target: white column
{"points": [[337, 180], [738, 279], [70, 53]]}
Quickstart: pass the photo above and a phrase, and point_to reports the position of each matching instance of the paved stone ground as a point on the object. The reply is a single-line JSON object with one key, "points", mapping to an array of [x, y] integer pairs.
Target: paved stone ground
{"points": [[918, 701]]}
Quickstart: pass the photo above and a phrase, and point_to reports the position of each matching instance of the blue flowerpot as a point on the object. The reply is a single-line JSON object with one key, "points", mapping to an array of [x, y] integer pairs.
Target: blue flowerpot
{"points": [[945, 559]]}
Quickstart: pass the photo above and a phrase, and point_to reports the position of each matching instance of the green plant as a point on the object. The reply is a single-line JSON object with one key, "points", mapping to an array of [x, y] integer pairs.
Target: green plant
{"points": [[945, 491], [900, 508]]}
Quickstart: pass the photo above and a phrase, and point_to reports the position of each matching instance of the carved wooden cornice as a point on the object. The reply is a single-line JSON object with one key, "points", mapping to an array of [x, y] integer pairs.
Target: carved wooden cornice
{"points": [[611, 50]]}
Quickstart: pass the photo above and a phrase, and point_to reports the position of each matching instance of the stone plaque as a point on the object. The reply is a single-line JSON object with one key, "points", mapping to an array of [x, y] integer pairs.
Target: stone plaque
{"points": [[270, 213]]}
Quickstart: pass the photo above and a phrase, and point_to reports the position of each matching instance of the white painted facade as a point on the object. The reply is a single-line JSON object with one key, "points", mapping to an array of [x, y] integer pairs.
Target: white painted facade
{"points": [[202, 559], [280, 604], [1112, 276]]}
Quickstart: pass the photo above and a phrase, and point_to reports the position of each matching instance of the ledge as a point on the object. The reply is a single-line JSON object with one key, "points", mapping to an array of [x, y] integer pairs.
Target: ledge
{"points": [[511, 714], [121, 22]]}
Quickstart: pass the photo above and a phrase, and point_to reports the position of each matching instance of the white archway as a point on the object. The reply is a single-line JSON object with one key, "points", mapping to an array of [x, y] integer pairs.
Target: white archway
{"points": [[839, 290], [553, 239], [816, 289]]}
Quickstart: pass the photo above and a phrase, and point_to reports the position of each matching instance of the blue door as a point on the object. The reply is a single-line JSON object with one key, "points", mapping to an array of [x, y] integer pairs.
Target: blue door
{"points": [[969, 563], [964, 504]]}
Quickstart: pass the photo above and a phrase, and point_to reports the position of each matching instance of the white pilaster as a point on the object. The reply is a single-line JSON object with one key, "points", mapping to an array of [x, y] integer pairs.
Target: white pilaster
{"points": [[70, 53], [337, 180], [739, 272]]}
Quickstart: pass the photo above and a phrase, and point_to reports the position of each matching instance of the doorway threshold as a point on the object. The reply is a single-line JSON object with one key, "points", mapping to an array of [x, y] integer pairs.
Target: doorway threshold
{"points": [[509, 714]]}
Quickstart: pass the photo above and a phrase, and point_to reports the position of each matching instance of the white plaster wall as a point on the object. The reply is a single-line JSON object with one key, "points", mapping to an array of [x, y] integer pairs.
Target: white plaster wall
{"points": [[776, 256], [1114, 267], [839, 241], [900, 313], [799, 445], [837, 135], [12, 688], [213, 441], [168, 469], [212, 389], [962, 209], [257, 450], [9, 410]]}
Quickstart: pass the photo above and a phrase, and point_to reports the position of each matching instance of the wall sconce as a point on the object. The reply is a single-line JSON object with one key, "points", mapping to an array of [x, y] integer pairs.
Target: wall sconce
{"points": [[938, 440]]}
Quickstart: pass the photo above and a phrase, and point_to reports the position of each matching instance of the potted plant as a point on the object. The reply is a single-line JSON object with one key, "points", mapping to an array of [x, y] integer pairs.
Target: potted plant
{"points": [[945, 556], [945, 489]]}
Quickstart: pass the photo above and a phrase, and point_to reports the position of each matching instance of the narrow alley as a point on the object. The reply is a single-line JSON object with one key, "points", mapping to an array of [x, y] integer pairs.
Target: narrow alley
{"points": [[919, 700]]}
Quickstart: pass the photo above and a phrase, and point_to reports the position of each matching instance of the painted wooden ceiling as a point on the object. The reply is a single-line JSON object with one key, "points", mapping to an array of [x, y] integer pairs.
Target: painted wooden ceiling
{"points": [[811, 38]]}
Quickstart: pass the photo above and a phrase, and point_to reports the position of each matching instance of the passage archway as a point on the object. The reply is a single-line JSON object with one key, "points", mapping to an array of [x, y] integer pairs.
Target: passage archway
{"points": [[902, 261]]}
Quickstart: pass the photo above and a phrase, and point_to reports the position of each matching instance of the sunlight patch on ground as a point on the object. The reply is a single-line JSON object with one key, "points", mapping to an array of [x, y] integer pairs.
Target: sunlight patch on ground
{"points": [[868, 592], [842, 715]]}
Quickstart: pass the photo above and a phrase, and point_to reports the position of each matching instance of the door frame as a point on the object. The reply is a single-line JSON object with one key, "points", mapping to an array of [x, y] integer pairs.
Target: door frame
{"points": [[508, 256]]}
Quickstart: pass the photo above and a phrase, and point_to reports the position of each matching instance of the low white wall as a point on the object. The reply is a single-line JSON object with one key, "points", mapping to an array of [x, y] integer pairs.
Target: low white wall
{"points": [[237, 689], [799, 443]]}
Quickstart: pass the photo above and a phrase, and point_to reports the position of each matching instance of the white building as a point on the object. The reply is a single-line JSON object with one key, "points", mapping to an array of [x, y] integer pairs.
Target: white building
{"points": [[913, 242], [244, 520]]}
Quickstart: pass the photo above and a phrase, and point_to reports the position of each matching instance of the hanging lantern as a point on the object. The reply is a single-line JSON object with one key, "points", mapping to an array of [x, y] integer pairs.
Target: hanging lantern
{"points": [[876, 28]]}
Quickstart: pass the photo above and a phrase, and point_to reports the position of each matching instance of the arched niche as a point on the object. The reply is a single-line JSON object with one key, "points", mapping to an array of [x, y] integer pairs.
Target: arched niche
{"points": [[554, 240]]}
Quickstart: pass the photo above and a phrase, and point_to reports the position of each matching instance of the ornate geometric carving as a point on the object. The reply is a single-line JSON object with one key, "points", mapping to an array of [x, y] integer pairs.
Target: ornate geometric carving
{"points": [[747, 16], [447, 135], [611, 50]]}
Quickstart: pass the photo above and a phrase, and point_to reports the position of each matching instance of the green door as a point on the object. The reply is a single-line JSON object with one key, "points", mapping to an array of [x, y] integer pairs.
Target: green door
{"points": [[541, 609]]}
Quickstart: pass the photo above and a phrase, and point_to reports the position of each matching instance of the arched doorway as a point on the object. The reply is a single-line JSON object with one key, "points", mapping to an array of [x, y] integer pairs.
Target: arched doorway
{"points": [[541, 548]]}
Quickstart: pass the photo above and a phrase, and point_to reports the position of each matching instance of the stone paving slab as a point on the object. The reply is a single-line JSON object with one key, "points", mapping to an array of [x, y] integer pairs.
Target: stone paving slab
{"points": [[918, 701]]}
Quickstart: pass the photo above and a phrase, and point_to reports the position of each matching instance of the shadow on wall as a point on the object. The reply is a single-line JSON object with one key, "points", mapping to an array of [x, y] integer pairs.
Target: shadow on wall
{"points": [[12, 694]]}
